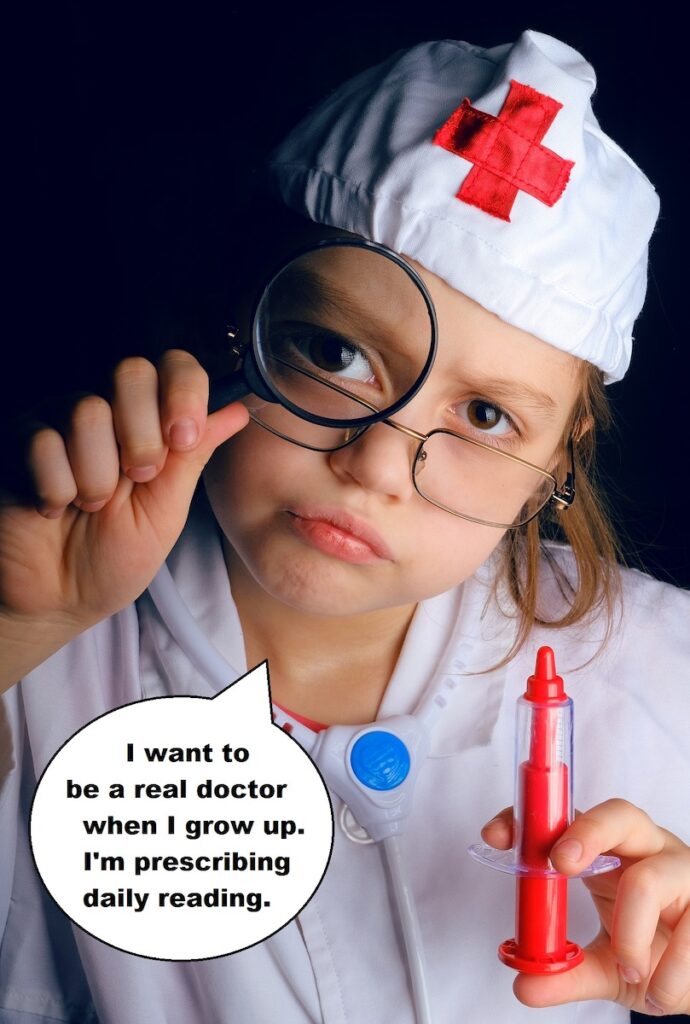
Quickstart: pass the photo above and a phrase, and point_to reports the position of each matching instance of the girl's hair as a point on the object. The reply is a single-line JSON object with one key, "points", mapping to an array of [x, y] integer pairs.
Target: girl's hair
{"points": [[586, 526]]}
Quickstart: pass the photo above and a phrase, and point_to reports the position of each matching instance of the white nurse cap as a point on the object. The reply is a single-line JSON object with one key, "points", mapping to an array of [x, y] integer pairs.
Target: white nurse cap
{"points": [[489, 168]]}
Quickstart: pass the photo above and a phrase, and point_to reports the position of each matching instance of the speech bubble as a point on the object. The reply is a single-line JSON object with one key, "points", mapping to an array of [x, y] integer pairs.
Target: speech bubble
{"points": [[183, 828]]}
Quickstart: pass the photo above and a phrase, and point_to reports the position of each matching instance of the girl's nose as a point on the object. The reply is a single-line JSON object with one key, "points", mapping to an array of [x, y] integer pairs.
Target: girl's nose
{"points": [[379, 461]]}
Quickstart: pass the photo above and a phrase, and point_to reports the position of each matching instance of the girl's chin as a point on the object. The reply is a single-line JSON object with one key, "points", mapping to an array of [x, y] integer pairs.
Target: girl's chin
{"points": [[279, 566], [321, 590], [316, 584]]}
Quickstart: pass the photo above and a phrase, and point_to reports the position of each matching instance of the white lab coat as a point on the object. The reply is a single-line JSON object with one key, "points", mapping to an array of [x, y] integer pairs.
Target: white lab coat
{"points": [[341, 961]]}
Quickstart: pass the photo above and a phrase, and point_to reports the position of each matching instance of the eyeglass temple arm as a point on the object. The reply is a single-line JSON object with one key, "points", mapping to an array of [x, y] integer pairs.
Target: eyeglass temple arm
{"points": [[565, 495]]}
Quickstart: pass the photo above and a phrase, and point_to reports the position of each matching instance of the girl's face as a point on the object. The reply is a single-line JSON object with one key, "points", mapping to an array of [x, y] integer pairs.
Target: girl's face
{"points": [[345, 532]]}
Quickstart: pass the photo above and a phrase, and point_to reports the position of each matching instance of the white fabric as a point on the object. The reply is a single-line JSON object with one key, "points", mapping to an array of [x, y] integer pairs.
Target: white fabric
{"points": [[573, 274], [341, 961]]}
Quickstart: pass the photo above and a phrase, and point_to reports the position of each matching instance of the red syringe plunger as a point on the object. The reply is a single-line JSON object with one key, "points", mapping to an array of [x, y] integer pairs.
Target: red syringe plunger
{"points": [[543, 811]]}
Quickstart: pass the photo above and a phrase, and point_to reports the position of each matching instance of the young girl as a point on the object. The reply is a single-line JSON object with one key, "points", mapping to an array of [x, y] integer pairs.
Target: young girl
{"points": [[367, 577]]}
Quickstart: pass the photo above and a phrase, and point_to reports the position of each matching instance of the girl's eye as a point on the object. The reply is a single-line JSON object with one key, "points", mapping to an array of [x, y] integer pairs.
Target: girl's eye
{"points": [[486, 418], [330, 353]]}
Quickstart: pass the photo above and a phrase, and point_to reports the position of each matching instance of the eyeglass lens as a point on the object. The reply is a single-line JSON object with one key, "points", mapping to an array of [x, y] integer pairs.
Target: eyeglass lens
{"points": [[480, 483]]}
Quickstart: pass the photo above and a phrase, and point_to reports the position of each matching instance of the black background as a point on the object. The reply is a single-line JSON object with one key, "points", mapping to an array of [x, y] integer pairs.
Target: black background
{"points": [[132, 134]]}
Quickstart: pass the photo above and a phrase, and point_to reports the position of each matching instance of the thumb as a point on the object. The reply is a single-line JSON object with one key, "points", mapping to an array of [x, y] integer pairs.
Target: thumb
{"points": [[220, 427], [499, 831], [174, 486]]}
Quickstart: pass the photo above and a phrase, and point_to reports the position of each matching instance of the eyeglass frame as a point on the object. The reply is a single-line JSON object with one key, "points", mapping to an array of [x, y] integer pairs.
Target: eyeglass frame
{"points": [[563, 497]]}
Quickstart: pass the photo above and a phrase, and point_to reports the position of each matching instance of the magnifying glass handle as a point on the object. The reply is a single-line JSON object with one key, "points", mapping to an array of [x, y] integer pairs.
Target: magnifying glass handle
{"points": [[237, 384], [227, 389]]}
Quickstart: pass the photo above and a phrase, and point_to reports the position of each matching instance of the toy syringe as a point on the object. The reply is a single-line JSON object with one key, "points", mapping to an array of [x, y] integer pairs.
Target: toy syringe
{"points": [[542, 811]]}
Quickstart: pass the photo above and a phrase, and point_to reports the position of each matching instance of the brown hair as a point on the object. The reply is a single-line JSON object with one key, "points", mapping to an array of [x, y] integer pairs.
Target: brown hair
{"points": [[586, 526]]}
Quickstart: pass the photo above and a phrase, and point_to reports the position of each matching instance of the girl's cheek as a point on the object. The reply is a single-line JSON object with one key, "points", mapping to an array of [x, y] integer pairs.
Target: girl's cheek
{"points": [[240, 464], [452, 549]]}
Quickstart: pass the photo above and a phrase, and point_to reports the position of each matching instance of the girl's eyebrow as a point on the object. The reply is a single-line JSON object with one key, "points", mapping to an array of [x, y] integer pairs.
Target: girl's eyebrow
{"points": [[519, 391], [323, 296]]}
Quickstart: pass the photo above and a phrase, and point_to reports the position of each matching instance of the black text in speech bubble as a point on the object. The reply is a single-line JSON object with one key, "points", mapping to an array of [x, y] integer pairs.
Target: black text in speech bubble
{"points": [[183, 828]]}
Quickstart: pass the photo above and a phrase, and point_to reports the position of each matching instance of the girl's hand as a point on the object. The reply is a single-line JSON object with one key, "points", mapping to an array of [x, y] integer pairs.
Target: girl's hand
{"points": [[95, 495], [641, 956]]}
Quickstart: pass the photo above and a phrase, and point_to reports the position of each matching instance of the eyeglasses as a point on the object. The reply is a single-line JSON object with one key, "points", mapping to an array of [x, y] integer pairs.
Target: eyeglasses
{"points": [[465, 477]]}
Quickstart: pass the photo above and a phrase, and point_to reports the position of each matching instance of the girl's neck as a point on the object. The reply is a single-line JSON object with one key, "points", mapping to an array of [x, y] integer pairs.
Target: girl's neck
{"points": [[328, 668]]}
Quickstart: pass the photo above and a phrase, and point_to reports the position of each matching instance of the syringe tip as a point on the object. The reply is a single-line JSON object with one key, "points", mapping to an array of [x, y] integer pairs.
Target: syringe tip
{"points": [[545, 684], [545, 667]]}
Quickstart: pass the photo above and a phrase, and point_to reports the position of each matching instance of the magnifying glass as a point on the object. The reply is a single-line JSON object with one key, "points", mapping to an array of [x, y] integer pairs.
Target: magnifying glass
{"points": [[343, 335]]}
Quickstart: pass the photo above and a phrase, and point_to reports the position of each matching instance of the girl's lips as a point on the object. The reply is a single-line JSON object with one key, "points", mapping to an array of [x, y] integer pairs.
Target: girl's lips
{"points": [[340, 534]]}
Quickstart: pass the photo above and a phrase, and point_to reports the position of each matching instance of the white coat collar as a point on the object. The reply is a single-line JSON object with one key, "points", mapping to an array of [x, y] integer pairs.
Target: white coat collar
{"points": [[459, 633]]}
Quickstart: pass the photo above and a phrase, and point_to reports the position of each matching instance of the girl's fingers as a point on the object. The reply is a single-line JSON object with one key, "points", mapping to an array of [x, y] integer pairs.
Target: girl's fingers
{"points": [[34, 466], [71, 449], [499, 831], [92, 452], [653, 892], [183, 389], [174, 486], [594, 978], [669, 987], [136, 418], [615, 826], [645, 889], [597, 978], [50, 473], [158, 409]]}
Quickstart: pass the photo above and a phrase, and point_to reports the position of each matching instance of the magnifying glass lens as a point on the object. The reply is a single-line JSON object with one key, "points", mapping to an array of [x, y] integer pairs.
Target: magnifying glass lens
{"points": [[343, 334]]}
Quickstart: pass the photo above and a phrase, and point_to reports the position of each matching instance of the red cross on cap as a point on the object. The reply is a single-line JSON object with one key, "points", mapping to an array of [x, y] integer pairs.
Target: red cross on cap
{"points": [[506, 151]]}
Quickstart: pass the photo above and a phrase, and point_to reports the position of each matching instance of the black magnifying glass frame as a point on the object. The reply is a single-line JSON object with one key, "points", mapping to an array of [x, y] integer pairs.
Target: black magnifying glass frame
{"points": [[252, 377]]}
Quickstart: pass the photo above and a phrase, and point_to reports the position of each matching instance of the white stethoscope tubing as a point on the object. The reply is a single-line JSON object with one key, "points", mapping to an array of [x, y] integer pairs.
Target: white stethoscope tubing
{"points": [[216, 669], [412, 935]]}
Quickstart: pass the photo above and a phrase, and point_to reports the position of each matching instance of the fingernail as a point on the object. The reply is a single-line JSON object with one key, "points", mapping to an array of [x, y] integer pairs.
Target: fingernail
{"points": [[629, 974], [569, 849], [494, 821], [652, 1008], [184, 433], [141, 474]]}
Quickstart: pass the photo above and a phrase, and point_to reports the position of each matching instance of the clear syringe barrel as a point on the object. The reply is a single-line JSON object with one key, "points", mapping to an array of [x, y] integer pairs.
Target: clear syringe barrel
{"points": [[542, 812], [543, 805]]}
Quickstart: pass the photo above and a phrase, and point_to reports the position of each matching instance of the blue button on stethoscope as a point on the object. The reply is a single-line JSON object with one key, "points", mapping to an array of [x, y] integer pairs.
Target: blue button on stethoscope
{"points": [[380, 760]]}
